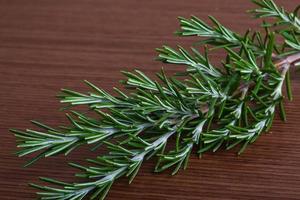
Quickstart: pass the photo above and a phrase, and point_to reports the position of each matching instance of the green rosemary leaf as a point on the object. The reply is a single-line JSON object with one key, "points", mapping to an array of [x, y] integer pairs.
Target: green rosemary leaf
{"points": [[288, 86]]}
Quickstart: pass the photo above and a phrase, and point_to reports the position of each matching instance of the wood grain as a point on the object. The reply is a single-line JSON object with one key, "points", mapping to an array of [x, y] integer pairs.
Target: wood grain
{"points": [[46, 45]]}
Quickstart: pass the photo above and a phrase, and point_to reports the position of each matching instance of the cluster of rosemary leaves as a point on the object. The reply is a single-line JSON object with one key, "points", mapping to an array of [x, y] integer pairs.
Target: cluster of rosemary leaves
{"points": [[214, 107]]}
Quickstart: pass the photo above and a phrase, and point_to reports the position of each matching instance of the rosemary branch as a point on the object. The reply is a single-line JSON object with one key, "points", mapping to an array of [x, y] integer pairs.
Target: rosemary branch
{"points": [[214, 107]]}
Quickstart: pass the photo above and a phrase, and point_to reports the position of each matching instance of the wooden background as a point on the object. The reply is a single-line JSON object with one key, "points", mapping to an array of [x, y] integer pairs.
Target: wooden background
{"points": [[46, 45]]}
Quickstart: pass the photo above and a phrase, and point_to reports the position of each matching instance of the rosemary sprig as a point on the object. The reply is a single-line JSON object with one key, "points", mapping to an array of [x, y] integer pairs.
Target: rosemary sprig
{"points": [[267, 8], [214, 107]]}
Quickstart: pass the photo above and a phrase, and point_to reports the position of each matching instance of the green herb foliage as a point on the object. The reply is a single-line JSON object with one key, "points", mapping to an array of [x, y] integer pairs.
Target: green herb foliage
{"points": [[213, 108]]}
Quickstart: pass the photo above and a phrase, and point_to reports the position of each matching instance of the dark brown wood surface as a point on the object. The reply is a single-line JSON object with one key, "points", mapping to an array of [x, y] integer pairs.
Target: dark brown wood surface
{"points": [[47, 45]]}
